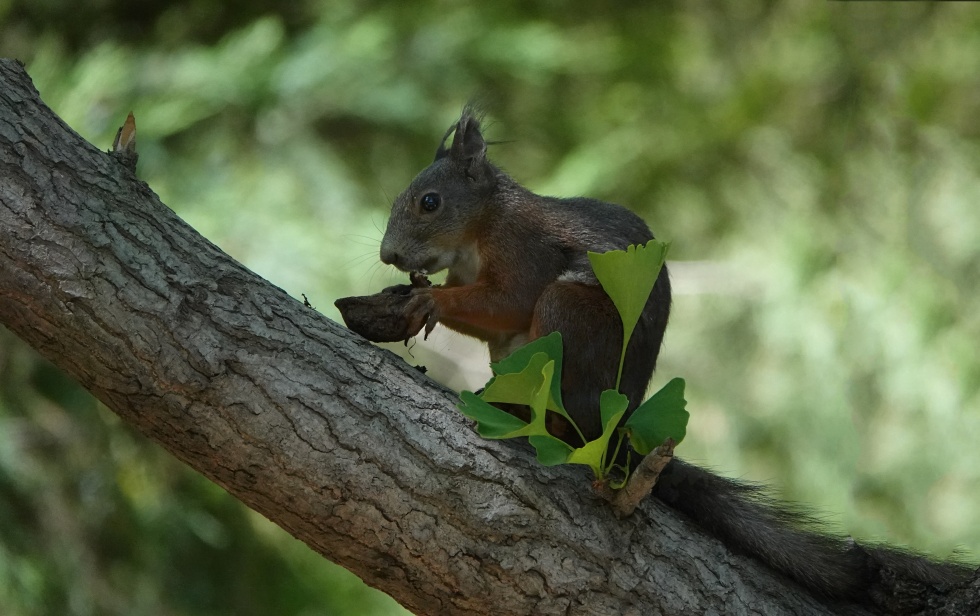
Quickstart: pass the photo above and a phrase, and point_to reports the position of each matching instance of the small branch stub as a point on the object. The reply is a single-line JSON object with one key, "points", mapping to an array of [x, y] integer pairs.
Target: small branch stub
{"points": [[642, 480], [124, 145]]}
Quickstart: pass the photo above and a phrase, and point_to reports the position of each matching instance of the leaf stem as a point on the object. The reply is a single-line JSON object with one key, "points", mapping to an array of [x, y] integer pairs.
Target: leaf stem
{"points": [[577, 430], [615, 456], [622, 360]]}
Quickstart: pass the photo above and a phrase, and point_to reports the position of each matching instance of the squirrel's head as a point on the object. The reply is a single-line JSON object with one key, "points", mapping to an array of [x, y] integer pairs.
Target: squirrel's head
{"points": [[433, 222]]}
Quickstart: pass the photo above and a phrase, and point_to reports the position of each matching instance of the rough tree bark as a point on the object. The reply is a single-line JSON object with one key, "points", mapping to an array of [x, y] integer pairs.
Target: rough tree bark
{"points": [[339, 442]]}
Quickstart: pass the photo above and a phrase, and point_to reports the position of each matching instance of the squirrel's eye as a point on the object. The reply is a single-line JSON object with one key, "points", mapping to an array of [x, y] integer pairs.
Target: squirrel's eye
{"points": [[430, 202]]}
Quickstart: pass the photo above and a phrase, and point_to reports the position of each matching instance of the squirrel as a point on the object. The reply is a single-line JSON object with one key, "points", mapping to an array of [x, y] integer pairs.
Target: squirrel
{"points": [[518, 269]]}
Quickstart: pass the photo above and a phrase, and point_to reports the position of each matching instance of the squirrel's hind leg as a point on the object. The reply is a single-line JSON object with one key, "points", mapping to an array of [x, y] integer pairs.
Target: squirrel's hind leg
{"points": [[592, 335]]}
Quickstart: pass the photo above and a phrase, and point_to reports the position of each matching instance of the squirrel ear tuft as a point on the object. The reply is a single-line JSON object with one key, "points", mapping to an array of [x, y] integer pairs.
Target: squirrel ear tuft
{"points": [[442, 151]]}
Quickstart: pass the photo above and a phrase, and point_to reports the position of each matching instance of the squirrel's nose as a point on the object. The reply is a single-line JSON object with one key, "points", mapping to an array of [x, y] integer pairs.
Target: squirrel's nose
{"points": [[388, 255]]}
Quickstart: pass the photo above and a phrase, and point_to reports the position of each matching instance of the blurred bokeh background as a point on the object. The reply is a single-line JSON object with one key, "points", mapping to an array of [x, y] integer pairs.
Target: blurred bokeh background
{"points": [[816, 165]]}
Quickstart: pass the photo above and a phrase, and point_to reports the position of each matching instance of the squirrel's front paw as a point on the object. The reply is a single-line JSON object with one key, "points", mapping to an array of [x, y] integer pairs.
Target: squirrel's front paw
{"points": [[421, 311]]}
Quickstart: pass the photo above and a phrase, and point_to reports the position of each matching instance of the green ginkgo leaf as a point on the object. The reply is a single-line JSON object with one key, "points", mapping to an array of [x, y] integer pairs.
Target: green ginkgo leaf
{"points": [[551, 346], [627, 277], [551, 451], [530, 387], [612, 405], [663, 416], [519, 386], [491, 422]]}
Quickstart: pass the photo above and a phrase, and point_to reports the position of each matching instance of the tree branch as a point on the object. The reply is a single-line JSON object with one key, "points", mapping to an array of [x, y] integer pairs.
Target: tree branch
{"points": [[339, 442]]}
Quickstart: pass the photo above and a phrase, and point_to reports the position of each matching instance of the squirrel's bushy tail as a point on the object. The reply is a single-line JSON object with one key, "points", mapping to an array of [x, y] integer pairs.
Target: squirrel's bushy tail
{"points": [[789, 540]]}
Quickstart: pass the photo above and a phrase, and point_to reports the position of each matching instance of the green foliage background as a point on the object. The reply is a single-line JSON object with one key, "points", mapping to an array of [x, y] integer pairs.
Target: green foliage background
{"points": [[814, 164]]}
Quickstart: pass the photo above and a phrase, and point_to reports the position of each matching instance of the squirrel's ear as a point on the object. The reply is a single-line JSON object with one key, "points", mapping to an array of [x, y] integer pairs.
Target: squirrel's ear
{"points": [[468, 142], [469, 148]]}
